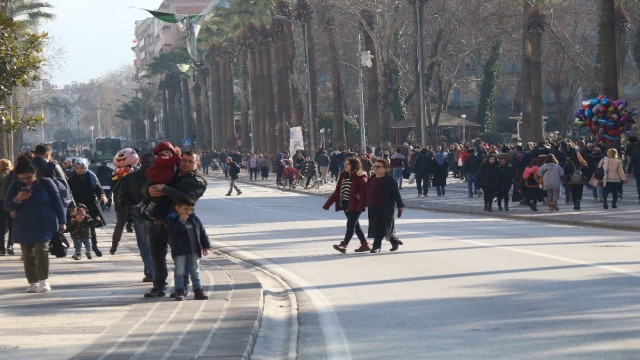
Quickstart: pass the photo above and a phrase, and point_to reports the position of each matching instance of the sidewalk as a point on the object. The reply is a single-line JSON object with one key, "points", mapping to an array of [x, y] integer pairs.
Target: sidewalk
{"points": [[96, 309], [456, 201]]}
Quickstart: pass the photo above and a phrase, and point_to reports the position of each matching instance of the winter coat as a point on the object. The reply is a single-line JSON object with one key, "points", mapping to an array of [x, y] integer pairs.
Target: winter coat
{"points": [[528, 171], [38, 217], [163, 169], [505, 180], [471, 164], [81, 229], [439, 172], [357, 196], [551, 174], [392, 199], [488, 176], [86, 190], [613, 171], [191, 185], [179, 238], [421, 165], [128, 191], [233, 170]]}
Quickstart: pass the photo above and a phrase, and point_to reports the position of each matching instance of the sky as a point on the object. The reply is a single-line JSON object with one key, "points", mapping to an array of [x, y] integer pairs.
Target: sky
{"points": [[96, 35]]}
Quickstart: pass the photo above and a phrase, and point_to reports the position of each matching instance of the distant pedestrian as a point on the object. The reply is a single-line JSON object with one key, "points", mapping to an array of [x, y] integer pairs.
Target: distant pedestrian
{"points": [[504, 182], [6, 222], [398, 163], [487, 179], [613, 177], [382, 198], [531, 184], [189, 242], [470, 166], [551, 174], [233, 172], [576, 171], [349, 196], [440, 171], [323, 165], [80, 230], [253, 166], [38, 212], [264, 163]]}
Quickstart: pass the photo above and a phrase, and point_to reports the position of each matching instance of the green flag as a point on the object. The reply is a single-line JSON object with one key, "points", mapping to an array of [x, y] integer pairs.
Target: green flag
{"points": [[169, 17]]}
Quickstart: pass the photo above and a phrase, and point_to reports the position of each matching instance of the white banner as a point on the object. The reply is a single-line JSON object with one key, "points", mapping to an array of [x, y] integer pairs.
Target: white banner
{"points": [[295, 139]]}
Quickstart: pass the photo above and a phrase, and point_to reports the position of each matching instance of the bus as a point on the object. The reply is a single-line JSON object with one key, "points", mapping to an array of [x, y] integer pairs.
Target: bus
{"points": [[104, 149], [59, 149]]}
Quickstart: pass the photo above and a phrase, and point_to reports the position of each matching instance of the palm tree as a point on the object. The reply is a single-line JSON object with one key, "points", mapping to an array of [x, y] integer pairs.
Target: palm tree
{"points": [[533, 22], [606, 46], [28, 12]]}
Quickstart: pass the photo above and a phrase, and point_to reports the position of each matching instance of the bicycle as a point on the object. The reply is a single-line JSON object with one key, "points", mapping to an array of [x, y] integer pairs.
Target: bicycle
{"points": [[314, 183]]}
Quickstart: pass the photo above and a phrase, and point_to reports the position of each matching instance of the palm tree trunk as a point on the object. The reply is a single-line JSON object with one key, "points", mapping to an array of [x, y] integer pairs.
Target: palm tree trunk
{"points": [[372, 85], [186, 109], [537, 105], [338, 136], [244, 100], [525, 78], [606, 46], [269, 101], [227, 98], [216, 104], [197, 103]]}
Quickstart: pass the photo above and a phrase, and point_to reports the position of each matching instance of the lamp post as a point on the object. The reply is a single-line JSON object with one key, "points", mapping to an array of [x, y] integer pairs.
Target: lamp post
{"points": [[420, 48], [464, 120], [312, 144], [91, 128]]}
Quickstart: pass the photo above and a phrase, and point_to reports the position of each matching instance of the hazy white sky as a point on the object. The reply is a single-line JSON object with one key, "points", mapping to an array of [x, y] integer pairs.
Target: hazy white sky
{"points": [[97, 35]]}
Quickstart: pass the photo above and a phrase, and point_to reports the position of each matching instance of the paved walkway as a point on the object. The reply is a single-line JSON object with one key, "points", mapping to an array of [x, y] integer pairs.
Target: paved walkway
{"points": [[456, 200], [96, 310]]}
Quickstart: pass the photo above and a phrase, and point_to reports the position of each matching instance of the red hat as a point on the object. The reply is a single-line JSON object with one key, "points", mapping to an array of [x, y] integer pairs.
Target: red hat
{"points": [[163, 145]]}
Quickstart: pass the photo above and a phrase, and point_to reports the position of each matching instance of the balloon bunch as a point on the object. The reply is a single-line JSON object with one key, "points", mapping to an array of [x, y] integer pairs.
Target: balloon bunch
{"points": [[606, 119]]}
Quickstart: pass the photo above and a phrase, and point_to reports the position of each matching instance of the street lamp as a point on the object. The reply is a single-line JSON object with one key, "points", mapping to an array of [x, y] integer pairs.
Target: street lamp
{"points": [[464, 120], [306, 59]]}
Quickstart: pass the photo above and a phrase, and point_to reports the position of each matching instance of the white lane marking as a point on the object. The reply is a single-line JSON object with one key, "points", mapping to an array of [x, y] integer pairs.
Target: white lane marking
{"points": [[614, 269], [336, 343], [131, 331], [196, 316], [157, 332], [223, 313]]}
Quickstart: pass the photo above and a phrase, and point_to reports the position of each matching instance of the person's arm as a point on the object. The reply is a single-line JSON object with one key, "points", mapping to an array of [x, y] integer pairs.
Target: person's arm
{"points": [[193, 186]]}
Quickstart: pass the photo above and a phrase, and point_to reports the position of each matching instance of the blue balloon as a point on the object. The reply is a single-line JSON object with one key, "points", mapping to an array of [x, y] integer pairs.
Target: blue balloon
{"points": [[593, 102], [588, 113]]}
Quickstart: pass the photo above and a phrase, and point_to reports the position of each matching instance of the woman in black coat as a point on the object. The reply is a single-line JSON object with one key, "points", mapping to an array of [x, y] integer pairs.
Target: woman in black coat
{"points": [[487, 178], [382, 198], [86, 189], [504, 182]]}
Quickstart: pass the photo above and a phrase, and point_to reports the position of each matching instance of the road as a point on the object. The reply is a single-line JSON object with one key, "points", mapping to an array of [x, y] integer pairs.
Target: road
{"points": [[462, 286]]}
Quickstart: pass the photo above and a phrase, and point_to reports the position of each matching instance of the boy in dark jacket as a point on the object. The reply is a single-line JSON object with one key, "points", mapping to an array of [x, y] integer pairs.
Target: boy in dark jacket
{"points": [[80, 230], [188, 241]]}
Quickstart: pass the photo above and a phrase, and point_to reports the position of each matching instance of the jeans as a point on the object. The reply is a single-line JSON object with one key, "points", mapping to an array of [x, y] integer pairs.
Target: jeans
{"points": [[422, 183], [471, 179], [77, 243], [353, 226], [440, 189], [36, 261], [141, 228], [158, 242], [397, 174], [597, 191], [232, 185], [187, 264]]}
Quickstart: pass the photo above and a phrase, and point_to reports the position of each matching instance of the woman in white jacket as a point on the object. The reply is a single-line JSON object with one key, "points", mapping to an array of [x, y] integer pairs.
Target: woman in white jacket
{"points": [[613, 176]]}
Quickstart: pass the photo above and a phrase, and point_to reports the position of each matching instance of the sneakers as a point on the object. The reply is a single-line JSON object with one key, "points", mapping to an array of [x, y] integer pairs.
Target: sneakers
{"points": [[77, 256], [89, 256], [199, 295], [363, 247], [155, 292], [341, 248], [33, 288], [43, 286]]}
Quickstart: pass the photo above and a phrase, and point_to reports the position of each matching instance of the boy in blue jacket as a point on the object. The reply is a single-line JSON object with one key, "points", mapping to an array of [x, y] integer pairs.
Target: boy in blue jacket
{"points": [[188, 241]]}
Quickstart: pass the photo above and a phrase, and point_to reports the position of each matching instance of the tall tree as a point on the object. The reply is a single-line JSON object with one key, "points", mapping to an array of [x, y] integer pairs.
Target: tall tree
{"points": [[607, 48]]}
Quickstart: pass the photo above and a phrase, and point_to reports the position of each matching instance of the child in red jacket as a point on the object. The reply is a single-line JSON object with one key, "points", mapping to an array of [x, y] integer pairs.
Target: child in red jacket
{"points": [[160, 172]]}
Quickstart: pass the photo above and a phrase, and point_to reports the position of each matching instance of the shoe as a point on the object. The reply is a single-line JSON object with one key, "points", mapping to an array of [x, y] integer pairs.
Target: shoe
{"points": [[395, 244], [89, 256], [185, 292], [113, 249], [76, 256], [239, 193], [506, 207], [614, 206], [129, 227], [155, 292], [3, 252], [147, 279], [363, 247], [43, 286], [179, 295], [341, 248], [10, 250], [605, 206], [375, 250], [419, 195], [228, 194], [199, 295], [33, 288], [96, 250]]}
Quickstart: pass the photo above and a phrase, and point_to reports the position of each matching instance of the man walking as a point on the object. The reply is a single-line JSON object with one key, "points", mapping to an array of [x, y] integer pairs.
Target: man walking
{"points": [[233, 171], [188, 182]]}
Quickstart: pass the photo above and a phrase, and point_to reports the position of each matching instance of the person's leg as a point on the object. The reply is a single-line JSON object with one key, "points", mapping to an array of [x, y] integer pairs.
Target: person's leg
{"points": [[41, 257], [231, 185], [77, 244], [605, 195], [140, 227], [419, 179], [614, 194], [193, 267], [638, 186], [180, 270], [87, 245], [94, 242], [3, 231], [471, 180], [117, 231], [29, 263], [352, 226], [158, 251], [9, 221]]}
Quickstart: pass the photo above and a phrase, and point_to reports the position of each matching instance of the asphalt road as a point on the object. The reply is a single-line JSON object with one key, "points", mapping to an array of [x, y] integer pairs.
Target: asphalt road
{"points": [[462, 286]]}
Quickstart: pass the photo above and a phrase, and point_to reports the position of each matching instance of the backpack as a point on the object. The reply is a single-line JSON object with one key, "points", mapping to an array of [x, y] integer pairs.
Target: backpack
{"points": [[61, 184], [531, 180], [577, 177]]}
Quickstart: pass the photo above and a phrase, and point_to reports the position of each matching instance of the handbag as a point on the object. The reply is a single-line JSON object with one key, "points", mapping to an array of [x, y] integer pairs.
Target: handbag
{"points": [[577, 177], [599, 173], [594, 181], [59, 245], [412, 178]]}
